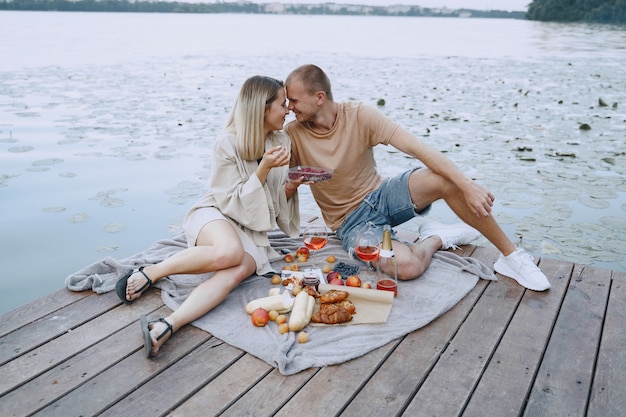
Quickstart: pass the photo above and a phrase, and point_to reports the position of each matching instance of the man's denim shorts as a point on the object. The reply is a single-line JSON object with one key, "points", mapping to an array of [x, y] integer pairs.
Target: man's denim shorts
{"points": [[389, 204]]}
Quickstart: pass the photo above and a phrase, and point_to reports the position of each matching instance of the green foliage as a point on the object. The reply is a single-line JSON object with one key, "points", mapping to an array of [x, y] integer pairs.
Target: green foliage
{"points": [[599, 11]]}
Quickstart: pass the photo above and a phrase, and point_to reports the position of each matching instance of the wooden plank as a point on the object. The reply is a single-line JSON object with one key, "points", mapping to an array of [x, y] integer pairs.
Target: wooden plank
{"points": [[332, 387], [224, 389], [71, 339], [268, 395], [171, 387], [504, 387], [93, 395], [53, 325], [46, 305], [73, 372], [395, 383], [462, 363], [608, 394], [564, 378], [249, 387]]}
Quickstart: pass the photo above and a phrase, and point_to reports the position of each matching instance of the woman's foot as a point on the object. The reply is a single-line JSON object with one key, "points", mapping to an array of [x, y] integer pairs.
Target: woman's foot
{"points": [[155, 333], [132, 285]]}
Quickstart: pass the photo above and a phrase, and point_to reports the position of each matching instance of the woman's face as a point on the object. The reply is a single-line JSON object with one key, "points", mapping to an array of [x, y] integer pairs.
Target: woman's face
{"points": [[276, 112]]}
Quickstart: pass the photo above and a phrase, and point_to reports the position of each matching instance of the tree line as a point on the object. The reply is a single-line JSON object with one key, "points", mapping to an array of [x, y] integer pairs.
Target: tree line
{"points": [[598, 11]]}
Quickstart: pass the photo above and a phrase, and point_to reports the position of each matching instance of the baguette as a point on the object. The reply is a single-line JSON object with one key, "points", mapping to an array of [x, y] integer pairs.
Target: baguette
{"points": [[309, 308], [282, 303], [299, 316]]}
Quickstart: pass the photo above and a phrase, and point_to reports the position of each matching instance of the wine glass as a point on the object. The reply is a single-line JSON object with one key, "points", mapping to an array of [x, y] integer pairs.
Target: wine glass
{"points": [[315, 237], [367, 246]]}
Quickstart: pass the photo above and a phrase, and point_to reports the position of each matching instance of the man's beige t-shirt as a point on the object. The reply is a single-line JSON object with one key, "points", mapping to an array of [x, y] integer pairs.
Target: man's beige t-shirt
{"points": [[347, 148]]}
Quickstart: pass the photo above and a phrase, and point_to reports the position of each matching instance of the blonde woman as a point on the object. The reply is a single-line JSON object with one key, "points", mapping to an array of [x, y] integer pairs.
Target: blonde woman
{"points": [[226, 230]]}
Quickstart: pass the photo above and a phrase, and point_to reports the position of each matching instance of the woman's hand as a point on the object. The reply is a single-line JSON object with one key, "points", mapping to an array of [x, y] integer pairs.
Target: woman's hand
{"points": [[272, 158], [275, 157]]}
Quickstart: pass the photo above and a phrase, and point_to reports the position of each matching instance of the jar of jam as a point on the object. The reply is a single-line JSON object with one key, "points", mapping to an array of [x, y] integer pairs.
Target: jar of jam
{"points": [[310, 280]]}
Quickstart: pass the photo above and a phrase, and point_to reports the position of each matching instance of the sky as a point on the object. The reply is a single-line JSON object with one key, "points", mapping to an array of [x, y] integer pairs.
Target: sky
{"points": [[507, 5]]}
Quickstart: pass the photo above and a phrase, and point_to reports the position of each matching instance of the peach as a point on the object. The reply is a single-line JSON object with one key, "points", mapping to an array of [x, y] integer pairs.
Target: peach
{"points": [[289, 258], [336, 281], [331, 259], [332, 275], [353, 281], [326, 269], [276, 279], [303, 251], [260, 317], [280, 319], [366, 285]]}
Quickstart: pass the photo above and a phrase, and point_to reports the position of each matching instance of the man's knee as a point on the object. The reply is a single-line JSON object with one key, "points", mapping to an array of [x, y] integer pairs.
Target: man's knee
{"points": [[410, 269]]}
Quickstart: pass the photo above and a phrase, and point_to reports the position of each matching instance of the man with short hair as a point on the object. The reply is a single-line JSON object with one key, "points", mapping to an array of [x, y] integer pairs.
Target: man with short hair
{"points": [[341, 136]]}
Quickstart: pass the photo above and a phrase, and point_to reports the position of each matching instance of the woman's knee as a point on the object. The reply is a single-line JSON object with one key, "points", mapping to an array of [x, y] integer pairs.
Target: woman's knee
{"points": [[228, 254]]}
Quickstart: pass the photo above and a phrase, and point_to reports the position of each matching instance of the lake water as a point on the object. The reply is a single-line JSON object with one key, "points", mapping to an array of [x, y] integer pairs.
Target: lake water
{"points": [[107, 123]]}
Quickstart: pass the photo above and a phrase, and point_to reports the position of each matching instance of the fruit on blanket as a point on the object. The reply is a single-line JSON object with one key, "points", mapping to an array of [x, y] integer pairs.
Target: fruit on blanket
{"points": [[336, 281], [366, 285], [294, 267], [302, 258], [280, 319], [326, 269], [260, 317], [331, 259], [353, 281], [303, 251], [283, 328], [303, 337], [332, 275], [272, 315], [289, 258], [276, 279]]}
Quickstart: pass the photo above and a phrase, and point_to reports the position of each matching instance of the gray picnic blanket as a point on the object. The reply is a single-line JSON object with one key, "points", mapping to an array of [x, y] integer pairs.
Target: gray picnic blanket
{"points": [[448, 279]]}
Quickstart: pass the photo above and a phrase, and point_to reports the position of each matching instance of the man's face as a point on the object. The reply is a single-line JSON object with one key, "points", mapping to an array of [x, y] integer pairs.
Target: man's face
{"points": [[301, 103]]}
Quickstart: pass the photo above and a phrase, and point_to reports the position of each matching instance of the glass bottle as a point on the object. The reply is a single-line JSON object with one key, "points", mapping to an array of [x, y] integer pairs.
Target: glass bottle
{"points": [[387, 271]]}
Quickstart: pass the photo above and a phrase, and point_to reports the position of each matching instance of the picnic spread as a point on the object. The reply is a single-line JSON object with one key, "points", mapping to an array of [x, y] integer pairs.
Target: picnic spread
{"points": [[379, 318]]}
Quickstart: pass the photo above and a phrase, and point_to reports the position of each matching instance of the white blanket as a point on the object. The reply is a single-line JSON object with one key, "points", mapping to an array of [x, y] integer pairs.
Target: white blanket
{"points": [[448, 279]]}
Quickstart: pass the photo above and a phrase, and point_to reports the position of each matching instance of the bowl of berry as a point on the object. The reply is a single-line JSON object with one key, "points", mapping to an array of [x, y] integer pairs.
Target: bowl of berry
{"points": [[310, 174]]}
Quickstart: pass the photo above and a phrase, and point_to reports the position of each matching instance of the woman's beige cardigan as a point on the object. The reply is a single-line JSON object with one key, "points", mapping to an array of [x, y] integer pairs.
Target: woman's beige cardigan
{"points": [[251, 207]]}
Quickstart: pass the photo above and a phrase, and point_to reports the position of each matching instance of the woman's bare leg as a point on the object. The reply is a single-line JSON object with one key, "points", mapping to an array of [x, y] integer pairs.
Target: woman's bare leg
{"points": [[203, 299], [217, 247]]}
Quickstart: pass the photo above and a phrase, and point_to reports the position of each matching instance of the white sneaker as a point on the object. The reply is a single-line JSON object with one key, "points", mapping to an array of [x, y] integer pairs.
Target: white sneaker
{"points": [[451, 235], [520, 266]]}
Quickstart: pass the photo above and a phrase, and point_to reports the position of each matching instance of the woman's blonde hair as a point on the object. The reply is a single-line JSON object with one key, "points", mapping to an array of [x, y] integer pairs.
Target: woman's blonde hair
{"points": [[247, 118]]}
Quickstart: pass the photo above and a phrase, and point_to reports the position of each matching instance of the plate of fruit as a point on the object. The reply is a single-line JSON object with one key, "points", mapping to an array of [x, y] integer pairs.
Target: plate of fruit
{"points": [[310, 173]]}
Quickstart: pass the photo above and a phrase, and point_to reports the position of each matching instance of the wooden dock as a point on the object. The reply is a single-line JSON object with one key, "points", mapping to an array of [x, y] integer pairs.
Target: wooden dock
{"points": [[501, 351]]}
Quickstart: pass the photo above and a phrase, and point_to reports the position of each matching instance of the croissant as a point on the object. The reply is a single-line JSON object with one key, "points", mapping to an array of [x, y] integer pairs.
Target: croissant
{"points": [[334, 296], [347, 304], [312, 292], [331, 314]]}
